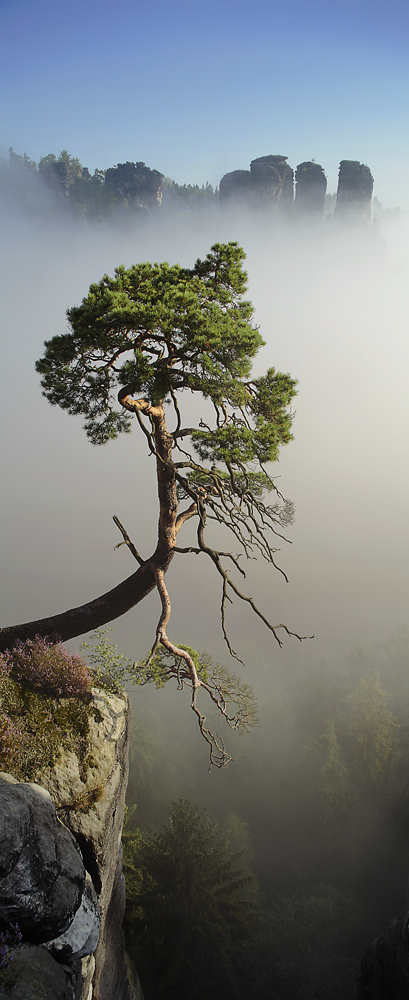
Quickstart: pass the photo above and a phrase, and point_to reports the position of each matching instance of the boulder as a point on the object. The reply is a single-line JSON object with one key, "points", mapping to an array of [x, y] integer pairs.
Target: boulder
{"points": [[42, 874], [33, 975], [81, 937]]}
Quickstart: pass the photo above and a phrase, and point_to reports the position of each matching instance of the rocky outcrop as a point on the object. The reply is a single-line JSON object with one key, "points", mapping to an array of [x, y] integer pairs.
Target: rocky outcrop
{"points": [[88, 940], [310, 190], [268, 183], [42, 875], [354, 194], [135, 184], [384, 970]]}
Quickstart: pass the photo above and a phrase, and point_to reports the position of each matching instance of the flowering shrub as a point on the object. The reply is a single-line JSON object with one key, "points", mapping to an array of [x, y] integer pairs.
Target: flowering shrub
{"points": [[47, 666], [45, 706], [12, 742]]}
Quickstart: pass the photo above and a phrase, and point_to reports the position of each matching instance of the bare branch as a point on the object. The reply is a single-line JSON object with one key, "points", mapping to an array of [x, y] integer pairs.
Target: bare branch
{"points": [[127, 541]]}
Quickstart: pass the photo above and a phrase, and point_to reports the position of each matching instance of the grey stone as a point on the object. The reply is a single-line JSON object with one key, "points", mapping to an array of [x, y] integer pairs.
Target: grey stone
{"points": [[268, 183], [354, 194], [43, 873], [81, 937], [34, 975], [311, 186]]}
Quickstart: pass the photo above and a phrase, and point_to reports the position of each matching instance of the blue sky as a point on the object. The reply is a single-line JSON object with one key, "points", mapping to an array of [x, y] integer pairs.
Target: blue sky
{"points": [[195, 90]]}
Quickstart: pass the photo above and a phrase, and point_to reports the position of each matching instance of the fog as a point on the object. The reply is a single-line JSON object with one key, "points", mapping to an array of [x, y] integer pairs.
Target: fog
{"points": [[332, 309]]}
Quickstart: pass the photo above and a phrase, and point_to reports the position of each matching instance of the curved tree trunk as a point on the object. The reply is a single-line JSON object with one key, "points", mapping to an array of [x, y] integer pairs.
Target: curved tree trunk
{"points": [[87, 617], [126, 595]]}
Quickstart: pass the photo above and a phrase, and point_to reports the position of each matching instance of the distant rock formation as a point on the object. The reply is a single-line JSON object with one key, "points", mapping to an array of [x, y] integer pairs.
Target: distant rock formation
{"points": [[268, 183], [310, 191], [354, 194], [61, 879], [136, 184]]}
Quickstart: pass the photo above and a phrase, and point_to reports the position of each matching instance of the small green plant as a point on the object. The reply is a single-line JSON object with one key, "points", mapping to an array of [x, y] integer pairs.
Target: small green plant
{"points": [[110, 669]]}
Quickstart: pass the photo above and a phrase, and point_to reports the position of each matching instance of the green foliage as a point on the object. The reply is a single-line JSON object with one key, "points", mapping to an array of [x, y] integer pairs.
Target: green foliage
{"points": [[110, 669], [187, 196], [371, 729], [333, 773], [161, 329], [188, 898], [61, 183], [357, 742]]}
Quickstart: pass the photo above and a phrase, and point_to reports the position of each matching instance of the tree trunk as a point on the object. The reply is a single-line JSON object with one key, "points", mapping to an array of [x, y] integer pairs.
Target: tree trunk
{"points": [[87, 617], [126, 595]]}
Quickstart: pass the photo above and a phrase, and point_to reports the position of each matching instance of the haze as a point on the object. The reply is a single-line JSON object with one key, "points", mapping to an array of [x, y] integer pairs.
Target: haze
{"points": [[332, 310]]}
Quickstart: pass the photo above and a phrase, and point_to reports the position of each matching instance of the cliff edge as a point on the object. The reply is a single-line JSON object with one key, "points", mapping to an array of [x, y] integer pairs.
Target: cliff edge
{"points": [[73, 813]]}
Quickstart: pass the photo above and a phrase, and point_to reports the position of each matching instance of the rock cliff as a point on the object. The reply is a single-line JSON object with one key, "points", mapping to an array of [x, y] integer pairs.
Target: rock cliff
{"points": [[268, 183], [354, 194], [311, 186], [136, 184], [61, 875]]}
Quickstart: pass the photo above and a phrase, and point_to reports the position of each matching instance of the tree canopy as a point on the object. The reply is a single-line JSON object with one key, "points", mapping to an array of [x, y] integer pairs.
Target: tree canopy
{"points": [[142, 340]]}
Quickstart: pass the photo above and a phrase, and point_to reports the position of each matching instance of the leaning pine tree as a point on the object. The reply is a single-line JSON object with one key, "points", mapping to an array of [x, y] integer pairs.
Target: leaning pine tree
{"points": [[140, 340]]}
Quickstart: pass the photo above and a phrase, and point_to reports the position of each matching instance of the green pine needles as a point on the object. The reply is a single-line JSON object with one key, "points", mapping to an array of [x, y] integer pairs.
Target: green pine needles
{"points": [[160, 330]]}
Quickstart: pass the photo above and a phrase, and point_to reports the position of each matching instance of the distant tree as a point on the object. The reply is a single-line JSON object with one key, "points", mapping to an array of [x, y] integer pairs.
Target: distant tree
{"points": [[192, 909], [371, 732], [138, 342], [60, 173], [187, 196]]}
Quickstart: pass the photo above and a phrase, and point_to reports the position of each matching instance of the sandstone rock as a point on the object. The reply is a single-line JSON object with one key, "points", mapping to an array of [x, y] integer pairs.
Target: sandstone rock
{"points": [[81, 937], [84, 970], [236, 186], [354, 194], [269, 182], [33, 975], [42, 873], [311, 186], [384, 970], [273, 180], [93, 807], [136, 183]]}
